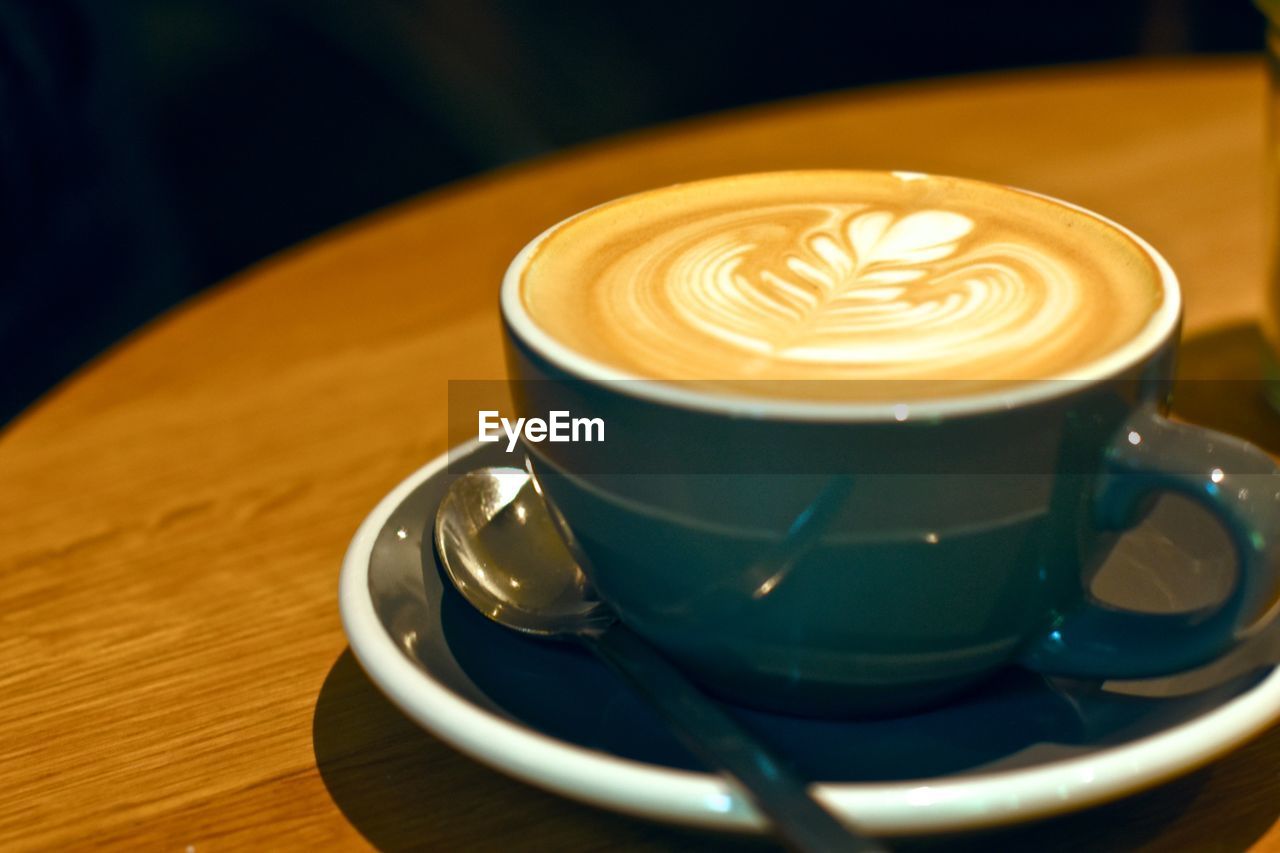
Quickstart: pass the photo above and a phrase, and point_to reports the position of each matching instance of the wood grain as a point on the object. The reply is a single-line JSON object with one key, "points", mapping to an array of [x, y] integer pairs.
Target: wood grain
{"points": [[173, 517]]}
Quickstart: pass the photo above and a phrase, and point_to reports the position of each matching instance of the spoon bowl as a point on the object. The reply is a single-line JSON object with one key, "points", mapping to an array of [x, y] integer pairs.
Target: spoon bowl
{"points": [[501, 550]]}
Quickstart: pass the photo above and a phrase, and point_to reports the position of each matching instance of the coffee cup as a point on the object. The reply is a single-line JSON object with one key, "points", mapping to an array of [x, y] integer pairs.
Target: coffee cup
{"points": [[866, 436]]}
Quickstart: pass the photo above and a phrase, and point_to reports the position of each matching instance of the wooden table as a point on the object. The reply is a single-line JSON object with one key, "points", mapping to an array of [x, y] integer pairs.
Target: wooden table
{"points": [[172, 667]]}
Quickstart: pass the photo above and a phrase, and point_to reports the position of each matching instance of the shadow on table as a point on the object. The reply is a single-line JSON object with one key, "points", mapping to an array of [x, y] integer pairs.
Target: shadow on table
{"points": [[403, 789]]}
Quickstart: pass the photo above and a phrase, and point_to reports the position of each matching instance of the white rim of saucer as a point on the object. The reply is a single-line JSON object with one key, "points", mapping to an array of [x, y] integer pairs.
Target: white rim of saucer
{"points": [[1161, 325], [917, 807]]}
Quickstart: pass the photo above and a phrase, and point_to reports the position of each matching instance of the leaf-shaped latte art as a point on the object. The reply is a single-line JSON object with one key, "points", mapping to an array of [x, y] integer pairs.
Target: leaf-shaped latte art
{"points": [[864, 286], [877, 238]]}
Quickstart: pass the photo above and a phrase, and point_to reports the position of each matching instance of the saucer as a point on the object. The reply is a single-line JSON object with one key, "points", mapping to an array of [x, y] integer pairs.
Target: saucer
{"points": [[1018, 748]]}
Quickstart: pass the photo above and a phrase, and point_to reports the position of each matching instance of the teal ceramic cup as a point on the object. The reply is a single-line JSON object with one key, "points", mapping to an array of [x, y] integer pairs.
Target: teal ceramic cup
{"points": [[836, 558]]}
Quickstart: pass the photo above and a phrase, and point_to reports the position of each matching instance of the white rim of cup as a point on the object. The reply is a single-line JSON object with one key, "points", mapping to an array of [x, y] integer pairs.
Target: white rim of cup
{"points": [[1159, 327]]}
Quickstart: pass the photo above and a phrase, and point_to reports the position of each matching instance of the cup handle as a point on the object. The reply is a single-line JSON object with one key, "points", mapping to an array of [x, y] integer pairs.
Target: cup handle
{"points": [[1234, 480]]}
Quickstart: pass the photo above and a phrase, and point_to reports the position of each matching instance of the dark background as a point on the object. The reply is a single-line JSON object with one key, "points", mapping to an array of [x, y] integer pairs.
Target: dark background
{"points": [[149, 148]]}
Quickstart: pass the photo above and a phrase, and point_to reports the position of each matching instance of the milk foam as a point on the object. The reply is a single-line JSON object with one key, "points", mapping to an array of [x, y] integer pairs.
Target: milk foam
{"points": [[840, 275]]}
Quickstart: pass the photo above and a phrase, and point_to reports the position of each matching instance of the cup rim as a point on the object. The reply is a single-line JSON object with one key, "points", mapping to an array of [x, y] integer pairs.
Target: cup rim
{"points": [[1160, 326]]}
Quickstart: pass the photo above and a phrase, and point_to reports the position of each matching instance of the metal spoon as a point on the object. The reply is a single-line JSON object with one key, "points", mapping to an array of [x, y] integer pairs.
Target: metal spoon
{"points": [[500, 547]]}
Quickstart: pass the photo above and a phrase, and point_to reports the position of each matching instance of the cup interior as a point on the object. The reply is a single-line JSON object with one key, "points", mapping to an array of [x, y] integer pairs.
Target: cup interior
{"points": [[1160, 326]]}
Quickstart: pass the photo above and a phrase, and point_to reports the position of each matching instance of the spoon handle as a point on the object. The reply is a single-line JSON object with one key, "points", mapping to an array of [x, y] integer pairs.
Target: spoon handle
{"points": [[721, 743]]}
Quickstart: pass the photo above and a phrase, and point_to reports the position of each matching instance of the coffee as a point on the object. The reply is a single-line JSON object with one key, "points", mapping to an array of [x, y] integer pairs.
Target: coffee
{"points": [[758, 280], [893, 541]]}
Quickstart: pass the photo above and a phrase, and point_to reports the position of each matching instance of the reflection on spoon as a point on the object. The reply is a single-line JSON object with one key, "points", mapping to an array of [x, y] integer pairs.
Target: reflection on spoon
{"points": [[500, 548]]}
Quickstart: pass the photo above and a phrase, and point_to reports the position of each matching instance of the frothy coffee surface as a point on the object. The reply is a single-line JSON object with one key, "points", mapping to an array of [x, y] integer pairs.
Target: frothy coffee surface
{"points": [[840, 276]]}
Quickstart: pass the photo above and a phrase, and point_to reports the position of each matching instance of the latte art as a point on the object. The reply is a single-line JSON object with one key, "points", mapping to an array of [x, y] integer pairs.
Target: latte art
{"points": [[862, 288], [839, 275]]}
